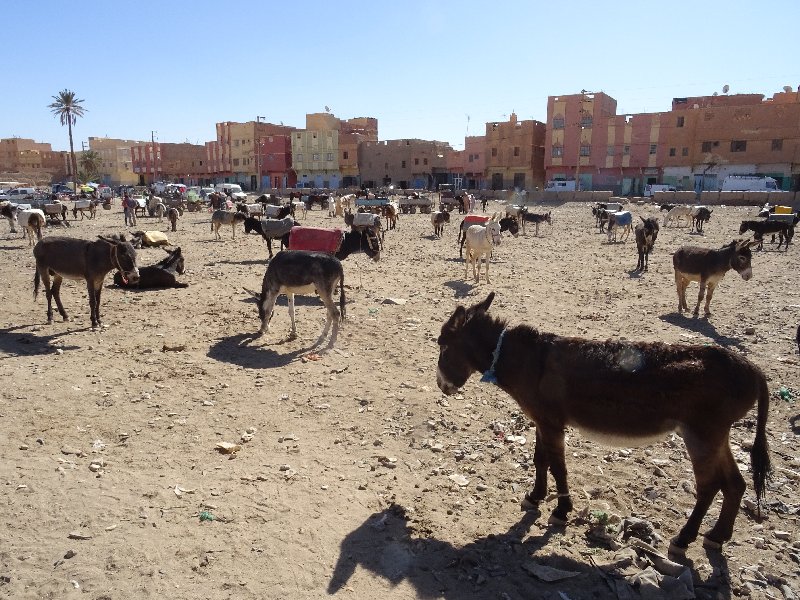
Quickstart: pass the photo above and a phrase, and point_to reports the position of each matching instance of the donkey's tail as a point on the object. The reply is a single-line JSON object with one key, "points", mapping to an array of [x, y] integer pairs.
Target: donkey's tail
{"points": [[36, 280], [341, 296], [759, 453]]}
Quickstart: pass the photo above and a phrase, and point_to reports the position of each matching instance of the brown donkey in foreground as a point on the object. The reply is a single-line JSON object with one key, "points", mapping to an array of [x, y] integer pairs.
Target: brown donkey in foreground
{"points": [[60, 257], [621, 392]]}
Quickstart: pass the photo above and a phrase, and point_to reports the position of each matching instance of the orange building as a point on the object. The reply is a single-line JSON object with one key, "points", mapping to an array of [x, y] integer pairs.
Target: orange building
{"points": [[514, 154]]}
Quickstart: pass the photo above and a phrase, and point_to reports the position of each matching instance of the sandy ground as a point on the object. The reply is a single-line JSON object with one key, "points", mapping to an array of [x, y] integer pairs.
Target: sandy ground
{"points": [[361, 479]]}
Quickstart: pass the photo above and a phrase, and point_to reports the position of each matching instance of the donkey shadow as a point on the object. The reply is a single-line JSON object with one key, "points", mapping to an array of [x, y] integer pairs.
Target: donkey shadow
{"points": [[20, 343], [494, 566], [702, 326], [385, 546], [239, 350], [461, 288]]}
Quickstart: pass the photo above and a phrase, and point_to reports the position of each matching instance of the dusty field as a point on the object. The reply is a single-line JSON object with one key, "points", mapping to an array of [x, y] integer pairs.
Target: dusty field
{"points": [[361, 479]]}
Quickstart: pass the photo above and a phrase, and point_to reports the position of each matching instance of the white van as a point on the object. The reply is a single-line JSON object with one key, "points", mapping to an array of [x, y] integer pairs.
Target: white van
{"points": [[21, 193], [749, 183], [232, 189], [560, 185], [651, 188]]}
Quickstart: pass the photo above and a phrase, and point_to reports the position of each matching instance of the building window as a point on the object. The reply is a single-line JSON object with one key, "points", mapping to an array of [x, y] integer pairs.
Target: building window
{"points": [[653, 148], [557, 151], [494, 152], [424, 161], [470, 158], [626, 150], [329, 156], [403, 165], [416, 161], [315, 156], [777, 145], [586, 121], [672, 151], [685, 151], [706, 147], [558, 122], [235, 143], [298, 136], [299, 158], [201, 163], [738, 145], [680, 122], [516, 150], [345, 155], [610, 151], [235, 162], [586, 150]]}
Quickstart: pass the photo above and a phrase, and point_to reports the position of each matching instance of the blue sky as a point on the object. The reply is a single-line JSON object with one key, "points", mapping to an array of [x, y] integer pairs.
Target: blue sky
{"points": [[425, 69]]}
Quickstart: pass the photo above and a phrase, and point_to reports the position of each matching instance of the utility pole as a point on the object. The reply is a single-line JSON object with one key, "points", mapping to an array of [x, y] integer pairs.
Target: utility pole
{"points": [[155, 161], [258, 154]]}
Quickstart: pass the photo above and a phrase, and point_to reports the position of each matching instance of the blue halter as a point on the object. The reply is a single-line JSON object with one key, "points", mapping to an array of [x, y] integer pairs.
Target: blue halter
{"points": [[490, 376]]}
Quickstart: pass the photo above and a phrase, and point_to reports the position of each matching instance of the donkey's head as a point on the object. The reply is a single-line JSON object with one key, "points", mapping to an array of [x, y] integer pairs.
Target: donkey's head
{"points": [[461, 346], [510, 224], [371, 244], [123, 257]]}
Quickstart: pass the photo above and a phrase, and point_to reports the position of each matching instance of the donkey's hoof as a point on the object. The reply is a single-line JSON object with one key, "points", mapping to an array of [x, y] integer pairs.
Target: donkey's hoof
{"points": [[710, 544], [556, 521], [676, 549], [528, 504]]}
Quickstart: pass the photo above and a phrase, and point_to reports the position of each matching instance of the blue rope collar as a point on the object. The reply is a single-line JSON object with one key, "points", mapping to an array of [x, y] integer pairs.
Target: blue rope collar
{"points": [[490, 376]]}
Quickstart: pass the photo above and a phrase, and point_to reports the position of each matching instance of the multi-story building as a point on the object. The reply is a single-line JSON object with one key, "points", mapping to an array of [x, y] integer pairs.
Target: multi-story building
{"points": [[179, 163], [707, 138], [412, 163], [275, 162], [693, 146], [514, 154], [353, 132], [116, 164], [35, 162], [474, 166], [234, 156]]}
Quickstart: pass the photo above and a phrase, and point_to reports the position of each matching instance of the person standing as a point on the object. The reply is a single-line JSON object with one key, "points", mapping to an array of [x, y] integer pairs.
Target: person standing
{"points": [[126, 207]]}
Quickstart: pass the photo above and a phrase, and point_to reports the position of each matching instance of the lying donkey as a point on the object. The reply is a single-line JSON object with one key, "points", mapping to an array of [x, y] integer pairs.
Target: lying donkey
{"points": [[160, 275]]}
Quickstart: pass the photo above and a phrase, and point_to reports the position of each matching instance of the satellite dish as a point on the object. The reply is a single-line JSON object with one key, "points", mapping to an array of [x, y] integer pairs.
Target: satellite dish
{"points": [[715, 94], [725, 88], [787, 88], [327, 109]]}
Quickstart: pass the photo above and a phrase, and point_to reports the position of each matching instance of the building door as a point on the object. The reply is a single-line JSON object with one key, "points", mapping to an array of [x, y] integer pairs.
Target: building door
{"points": [[253, 183], [497, 181]]}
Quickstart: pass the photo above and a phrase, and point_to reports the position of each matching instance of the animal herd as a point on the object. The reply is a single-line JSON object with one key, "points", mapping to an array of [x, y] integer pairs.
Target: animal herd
{"points": [[558, 382]]}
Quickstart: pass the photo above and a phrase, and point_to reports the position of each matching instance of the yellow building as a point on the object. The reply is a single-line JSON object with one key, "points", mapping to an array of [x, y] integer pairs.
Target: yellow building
{"points": [[116, 164]]}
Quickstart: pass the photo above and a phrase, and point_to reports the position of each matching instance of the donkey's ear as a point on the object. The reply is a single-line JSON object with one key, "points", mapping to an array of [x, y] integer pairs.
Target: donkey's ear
{"points": [[482, 307]]}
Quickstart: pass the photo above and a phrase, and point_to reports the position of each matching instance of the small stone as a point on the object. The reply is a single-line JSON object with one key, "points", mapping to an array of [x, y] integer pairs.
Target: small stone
{"points": [[59, 351], [79, 535], [70, 554], [208, 403], [459, 480], [23, 446], [749, 330], [783, 535]]}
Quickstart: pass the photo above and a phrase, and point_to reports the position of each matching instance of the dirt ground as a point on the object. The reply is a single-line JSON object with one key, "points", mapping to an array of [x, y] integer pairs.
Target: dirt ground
{"points": [[360, 479]]}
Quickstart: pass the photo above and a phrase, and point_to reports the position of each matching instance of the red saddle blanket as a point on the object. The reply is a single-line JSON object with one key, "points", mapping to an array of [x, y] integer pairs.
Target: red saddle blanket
{"points": [[315, 239], [475, 219]]}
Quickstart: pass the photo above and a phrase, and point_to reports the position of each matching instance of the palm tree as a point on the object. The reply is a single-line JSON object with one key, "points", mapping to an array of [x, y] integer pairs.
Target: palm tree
{"points": [[68, 108], [90, 163]]}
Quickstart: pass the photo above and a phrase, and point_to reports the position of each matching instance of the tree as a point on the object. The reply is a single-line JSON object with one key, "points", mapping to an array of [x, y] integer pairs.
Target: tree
{"points": [[90, 163], [68, 108]]}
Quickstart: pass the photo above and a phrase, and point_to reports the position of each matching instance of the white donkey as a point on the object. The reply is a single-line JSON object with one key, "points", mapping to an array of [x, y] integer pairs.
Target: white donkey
{"points": [[480, 240]]}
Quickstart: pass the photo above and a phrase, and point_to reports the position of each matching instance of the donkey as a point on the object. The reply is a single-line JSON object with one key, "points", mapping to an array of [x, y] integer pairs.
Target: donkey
{"points": [[438, 220], [8, 211], [160, 275], [784, 230], [319, 240], [172, 216], [84, 206], [708, 267], [60, 257], [700, 215], [619, 391], [509, 224], [224, 217], [646, 233], [303, 272], [480, 241], [537, 218], [271, 229], [31, 220]]}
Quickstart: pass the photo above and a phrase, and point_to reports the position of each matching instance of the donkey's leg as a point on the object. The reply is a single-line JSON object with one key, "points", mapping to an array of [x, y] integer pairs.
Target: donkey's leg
{"points": [[554, 446], [486, 262], [56, 294], [681, 290], [541, 461], [293, 332], [90, 287], [333, 316], [48, 291], [98, 286], [709, 295], [700, 296], [267, 308], [708, 478], [733, 487]]}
